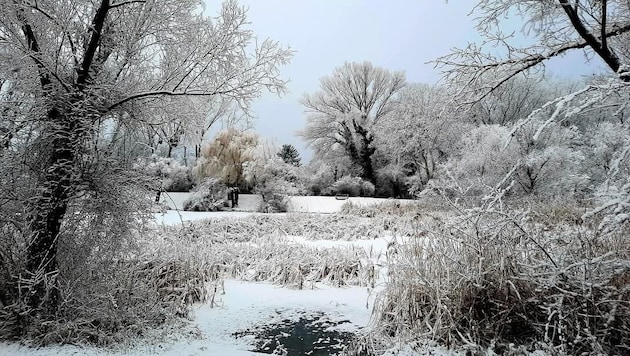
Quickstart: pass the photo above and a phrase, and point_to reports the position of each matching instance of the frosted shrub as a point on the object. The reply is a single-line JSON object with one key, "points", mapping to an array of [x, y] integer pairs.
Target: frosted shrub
{"points": [[170, 175], [274, 197], [209, 195], [275, 181], [353, 186], [321, 180], [367, 189]]}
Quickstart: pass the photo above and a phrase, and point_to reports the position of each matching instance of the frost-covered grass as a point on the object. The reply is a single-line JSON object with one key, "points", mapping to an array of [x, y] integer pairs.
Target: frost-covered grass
{"points": [[263, 248], [495, 279]]}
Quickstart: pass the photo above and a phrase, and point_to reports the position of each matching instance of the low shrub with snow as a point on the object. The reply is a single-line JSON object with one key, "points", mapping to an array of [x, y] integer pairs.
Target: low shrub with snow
{"points": [[171, 176], [353, 186], [274, 180], [209, 195]]}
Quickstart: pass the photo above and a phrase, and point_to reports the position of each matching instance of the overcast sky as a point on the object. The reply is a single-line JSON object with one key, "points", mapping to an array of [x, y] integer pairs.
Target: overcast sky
{"points": [[393, 34]]}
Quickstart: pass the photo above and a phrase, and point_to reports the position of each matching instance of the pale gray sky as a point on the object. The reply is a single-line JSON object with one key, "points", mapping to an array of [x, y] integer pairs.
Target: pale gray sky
{"points": [[394, 34]]}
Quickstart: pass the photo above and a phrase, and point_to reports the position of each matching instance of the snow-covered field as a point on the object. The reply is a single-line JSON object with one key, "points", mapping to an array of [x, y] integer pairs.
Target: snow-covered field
{"points": [[249, 203], [241, 308]]}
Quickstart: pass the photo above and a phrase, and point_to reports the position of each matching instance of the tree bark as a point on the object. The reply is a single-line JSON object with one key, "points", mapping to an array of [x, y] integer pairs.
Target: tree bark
{"points": [[48, 211], [365, 153]]}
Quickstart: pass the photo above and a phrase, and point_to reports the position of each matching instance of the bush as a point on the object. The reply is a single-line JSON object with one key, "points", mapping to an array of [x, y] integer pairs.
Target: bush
{"points": [[353, 186], [209, 195], [274, 200], [275, 181], [367, 189], [275, 194], [170, 175]]}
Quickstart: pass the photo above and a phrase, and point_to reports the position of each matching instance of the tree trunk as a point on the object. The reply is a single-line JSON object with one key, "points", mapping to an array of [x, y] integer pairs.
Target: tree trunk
{"points": [[366, 152], [48, 211]]}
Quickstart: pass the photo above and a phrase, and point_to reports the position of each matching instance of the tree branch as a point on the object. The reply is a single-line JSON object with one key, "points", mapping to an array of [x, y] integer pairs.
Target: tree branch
{"points": [[33, 48], [113, 6], [162, 93], [603, 24], [604, 52], [96, 28]]}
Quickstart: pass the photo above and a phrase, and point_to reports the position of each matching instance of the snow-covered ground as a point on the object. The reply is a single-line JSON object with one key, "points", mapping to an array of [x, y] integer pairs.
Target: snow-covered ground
{"points": [[175, 217], [240, 305], [175, 200], [249, 203]]}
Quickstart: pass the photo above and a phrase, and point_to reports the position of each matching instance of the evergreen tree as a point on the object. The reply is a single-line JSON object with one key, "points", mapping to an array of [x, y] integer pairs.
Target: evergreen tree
{"points": [[289, 154]]}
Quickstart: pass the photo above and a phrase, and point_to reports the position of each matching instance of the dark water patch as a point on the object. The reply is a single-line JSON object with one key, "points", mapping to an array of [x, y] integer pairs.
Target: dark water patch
{"points": [[313, 334]]}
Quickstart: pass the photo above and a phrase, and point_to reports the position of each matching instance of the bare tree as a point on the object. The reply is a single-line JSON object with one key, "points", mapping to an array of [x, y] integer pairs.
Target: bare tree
{"points": [[345, 111], [600, 27], [81, 64], [517, 98]]}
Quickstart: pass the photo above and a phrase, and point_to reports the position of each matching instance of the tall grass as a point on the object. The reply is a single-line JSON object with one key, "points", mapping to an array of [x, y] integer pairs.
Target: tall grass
{"points": [[510, 280], [256, 249]]}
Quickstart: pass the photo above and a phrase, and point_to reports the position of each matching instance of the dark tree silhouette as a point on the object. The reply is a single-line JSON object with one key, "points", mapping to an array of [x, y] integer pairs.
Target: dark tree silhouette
{"points": [[289, 154]]}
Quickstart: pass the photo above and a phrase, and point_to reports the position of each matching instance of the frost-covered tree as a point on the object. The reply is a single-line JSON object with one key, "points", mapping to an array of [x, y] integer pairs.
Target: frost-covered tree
{"points": [[418, 134], [546, 166], [226, 156], [517, 98], [346, 110], [80, 68], [273, 178], [289, 154]]}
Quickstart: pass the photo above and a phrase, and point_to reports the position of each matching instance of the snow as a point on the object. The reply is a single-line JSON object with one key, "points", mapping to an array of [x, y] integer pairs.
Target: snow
{"points": [[175, 217], [175, 200], [248, 205], [318, 204]]}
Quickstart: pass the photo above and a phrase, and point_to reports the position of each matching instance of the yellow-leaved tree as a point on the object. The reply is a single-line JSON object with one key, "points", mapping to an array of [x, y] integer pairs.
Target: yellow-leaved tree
{"points": [[225, 157]]}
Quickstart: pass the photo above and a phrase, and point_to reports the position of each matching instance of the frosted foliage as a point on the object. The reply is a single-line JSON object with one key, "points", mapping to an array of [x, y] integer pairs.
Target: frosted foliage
{"points": [[483, 160], [418, 133], [321, 179], [606, 146], [353, 186], [546, 166], [209, 195], [169, 173], [613, 194], [274, 172], [274, 179], [224, 158]]}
